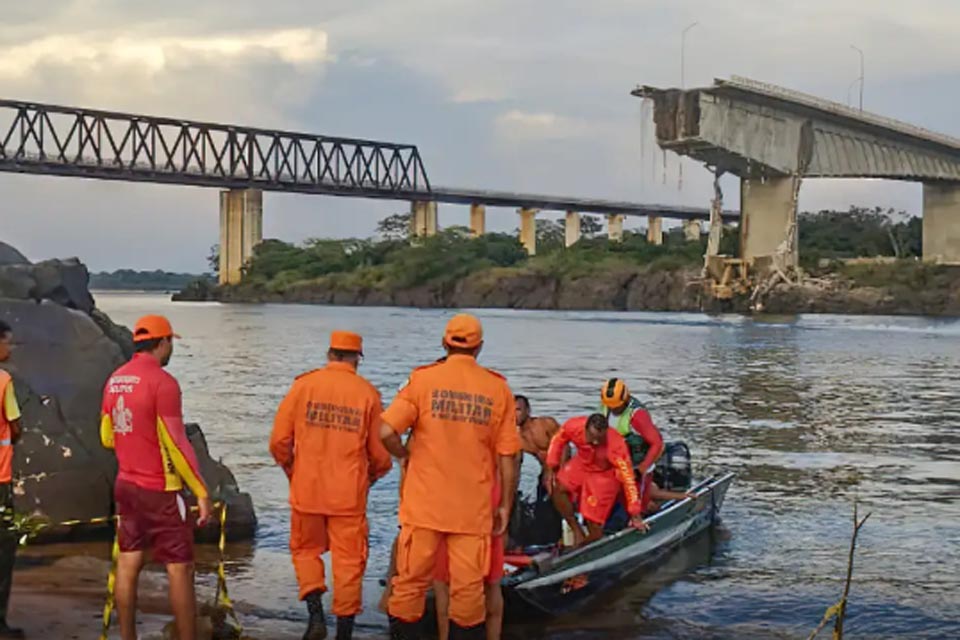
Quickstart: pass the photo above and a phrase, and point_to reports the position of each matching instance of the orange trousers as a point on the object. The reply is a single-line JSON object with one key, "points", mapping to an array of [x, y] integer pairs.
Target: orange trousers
{"points": [[469, 557], [345, 537]]}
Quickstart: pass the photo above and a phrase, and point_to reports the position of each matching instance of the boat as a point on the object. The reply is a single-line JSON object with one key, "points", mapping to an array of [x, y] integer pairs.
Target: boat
{"points": [[553, 583]]}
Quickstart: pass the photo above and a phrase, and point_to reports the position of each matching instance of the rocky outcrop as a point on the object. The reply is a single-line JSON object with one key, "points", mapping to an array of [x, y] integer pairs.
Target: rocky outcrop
{"points": [[65, 349]]}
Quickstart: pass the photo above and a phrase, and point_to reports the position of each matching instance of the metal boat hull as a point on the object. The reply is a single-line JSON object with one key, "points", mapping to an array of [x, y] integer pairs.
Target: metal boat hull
{"points": [[558, 585]]}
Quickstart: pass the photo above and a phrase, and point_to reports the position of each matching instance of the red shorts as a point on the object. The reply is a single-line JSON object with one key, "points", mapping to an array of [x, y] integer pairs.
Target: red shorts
{"points": [[596, 492], [156, 520]]}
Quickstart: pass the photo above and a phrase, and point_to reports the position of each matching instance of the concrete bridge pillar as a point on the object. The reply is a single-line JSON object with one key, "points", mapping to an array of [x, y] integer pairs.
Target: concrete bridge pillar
{"points": [[655, 230], [571, 229], [423, 218], [766, 213], [241, 229], [478, 220], [692, 230], [941, 223], [615, 228], [528, 230]]}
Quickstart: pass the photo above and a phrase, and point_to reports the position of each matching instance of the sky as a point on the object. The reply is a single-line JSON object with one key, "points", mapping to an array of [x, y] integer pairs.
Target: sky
{"points": [[528, 95]]}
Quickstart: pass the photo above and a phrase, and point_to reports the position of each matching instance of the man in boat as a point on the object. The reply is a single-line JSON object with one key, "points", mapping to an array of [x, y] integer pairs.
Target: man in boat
{"points": [[627, 416], [593, 478], [326, 438], [535, 433], [463, 421], [535, 521]]}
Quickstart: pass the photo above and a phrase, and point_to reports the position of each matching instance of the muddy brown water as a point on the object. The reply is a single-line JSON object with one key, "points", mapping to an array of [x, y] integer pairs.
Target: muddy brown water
{"points": [[810, 412]]}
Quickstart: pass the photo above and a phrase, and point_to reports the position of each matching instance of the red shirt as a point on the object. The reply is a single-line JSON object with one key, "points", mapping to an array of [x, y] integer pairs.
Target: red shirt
{"points": [[143, 421], [613, 454]]}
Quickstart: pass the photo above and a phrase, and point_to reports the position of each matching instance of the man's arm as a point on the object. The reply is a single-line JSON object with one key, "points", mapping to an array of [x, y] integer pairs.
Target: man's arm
{"points": [[281, 438], [508, 448], [619, 456], [559, 443], [380, 462], [11, 410], [399, 416], [173, 437], [642, 423]]}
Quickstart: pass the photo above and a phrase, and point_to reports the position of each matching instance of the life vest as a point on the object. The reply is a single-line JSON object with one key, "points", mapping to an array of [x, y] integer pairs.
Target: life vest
{"points": [[6, 436], [638, 446]]}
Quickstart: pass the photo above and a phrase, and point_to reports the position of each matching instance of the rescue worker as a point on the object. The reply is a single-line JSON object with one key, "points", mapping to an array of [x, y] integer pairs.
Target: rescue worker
{"points": [[593, 477], [9, 435], [463, 421], [492, 591], [326, 437], [627, 416], [143, 422]]}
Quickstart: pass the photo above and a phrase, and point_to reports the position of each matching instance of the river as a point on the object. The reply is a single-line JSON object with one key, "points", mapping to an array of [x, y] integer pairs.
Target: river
{"points": [[812, 413]]}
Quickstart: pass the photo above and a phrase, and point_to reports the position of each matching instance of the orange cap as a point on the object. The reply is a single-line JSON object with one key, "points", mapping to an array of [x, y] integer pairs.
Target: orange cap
{"points": [[152, 328], [463, 331], [346, 341]]}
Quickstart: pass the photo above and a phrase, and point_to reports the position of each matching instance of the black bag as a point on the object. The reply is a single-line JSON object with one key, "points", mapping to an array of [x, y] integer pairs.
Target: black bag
{"points": [[535, 522]]}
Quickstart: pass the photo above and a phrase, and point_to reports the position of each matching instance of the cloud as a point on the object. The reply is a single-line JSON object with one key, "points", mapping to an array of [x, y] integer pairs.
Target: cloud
{"points": [[153, 55], [516, 123]]}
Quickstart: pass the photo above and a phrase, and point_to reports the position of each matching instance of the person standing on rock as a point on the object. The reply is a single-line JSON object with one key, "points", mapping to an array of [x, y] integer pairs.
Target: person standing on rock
{"points": [[463, 421], [143, 422], [326, 437], [9, 435]]}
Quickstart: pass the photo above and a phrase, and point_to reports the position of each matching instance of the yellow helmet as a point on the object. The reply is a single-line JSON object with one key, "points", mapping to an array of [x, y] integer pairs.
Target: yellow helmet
{"points": [[614, 393]]}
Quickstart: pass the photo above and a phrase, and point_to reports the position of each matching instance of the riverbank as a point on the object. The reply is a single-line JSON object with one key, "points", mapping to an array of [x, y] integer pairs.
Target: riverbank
{"points": [[70, 579], [902, 287]]}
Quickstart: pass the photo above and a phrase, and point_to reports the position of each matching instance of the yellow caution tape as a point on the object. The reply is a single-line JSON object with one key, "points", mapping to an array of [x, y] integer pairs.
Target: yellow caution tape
{"points": [[111, 586], [222, 599]]}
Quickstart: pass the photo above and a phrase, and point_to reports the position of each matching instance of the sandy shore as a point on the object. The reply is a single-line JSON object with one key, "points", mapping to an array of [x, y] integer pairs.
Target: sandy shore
{"points": [[62, 596]]}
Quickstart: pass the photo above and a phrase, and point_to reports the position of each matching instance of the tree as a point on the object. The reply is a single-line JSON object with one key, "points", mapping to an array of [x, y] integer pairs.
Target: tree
{"points": [[395, 227], [590, 226], [213, 260]]}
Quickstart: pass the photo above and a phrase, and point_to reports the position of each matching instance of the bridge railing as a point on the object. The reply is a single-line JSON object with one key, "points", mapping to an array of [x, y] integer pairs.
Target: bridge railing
{"points": [[40, 138]]}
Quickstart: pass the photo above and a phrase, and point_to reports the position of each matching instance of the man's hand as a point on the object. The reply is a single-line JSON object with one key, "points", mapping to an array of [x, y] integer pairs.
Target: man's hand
{"points": [[206, 511], [549, 480], [637, 523], [501, 518]]}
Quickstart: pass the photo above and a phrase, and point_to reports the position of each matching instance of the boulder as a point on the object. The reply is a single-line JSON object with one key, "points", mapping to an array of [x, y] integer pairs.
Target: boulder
{"points": [[65, 349], [9, 255]]}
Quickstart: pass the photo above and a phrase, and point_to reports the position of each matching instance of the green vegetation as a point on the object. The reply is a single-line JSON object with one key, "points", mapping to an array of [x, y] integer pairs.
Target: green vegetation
{"points": [[390, 261], [858, 233], [130, 280]]}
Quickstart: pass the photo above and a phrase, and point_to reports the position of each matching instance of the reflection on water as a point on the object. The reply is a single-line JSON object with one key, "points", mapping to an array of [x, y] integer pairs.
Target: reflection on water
{"points": [[810, 413]]}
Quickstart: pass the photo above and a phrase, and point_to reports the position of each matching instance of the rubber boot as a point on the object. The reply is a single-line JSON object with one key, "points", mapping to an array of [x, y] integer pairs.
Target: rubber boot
{"points": [[344, 627], [400, 630], [476, 632], [317, 627]]}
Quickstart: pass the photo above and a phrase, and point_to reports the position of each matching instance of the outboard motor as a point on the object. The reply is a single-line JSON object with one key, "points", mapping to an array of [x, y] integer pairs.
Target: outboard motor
{"points": [[673, 470]]}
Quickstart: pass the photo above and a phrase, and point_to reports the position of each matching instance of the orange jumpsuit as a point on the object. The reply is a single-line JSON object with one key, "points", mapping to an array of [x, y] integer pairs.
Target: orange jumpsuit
{"points": [[463, 417], [326, 436]]}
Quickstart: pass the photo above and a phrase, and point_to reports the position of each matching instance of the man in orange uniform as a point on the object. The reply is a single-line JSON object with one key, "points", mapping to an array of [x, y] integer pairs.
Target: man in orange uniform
{"points": [[326, 437], [464, 425], [9, 434], [493, 592], [593, 477], [143, 422]]}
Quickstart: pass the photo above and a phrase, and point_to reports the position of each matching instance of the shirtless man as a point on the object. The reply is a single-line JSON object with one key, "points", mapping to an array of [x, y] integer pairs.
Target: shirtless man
{"points": [[535, 433]]}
